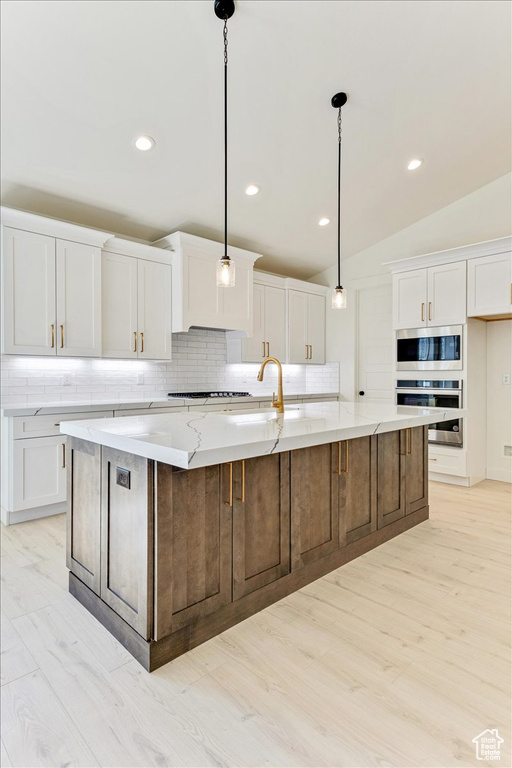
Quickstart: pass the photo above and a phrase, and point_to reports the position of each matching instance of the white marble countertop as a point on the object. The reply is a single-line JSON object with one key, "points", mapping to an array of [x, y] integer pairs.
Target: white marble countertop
{"points": [[202, 438], [113, 404]]}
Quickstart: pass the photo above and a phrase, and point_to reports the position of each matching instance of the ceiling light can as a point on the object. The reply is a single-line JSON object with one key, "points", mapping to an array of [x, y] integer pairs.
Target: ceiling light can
{"points": [[323, 221], [252, 189], [414, 163], [144, 143]]}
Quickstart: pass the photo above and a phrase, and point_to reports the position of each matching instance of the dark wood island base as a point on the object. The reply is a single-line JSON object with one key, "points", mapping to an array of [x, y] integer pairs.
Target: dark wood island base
{"points": [[182, 555]]}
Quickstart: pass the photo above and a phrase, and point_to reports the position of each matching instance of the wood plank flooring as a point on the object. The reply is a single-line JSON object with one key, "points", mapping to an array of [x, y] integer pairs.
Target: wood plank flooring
{"points": [[399, 658]]}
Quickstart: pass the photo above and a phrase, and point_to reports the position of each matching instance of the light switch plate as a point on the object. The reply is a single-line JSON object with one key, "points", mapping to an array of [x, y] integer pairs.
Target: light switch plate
{"points": [[140, 378], [505, 378]]}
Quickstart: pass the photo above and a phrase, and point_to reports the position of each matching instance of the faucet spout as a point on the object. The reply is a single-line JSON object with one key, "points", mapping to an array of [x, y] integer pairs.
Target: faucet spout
{"points": [[279, 403]]}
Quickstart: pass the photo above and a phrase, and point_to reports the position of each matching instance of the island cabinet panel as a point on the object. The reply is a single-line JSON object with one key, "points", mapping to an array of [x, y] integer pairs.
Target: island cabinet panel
{"points": [[192, 544], [358, 488], [84, 512], [314, 503], [416, 469], [261, 522], [391, 465], [127, 538]]}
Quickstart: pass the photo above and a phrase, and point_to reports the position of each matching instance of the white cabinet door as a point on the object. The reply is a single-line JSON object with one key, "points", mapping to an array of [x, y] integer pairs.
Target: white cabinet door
{"points": [[119, 305], [28, 293], [39, 472], [316, 329], [297, 327], [275, 321], [410, 299], [446, 293], [154, 310], [254, 348], [490, 285], [78, 300]]}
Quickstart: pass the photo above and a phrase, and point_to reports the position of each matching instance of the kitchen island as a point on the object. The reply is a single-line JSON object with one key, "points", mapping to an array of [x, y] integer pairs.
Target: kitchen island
{"points": [[181, 525]]}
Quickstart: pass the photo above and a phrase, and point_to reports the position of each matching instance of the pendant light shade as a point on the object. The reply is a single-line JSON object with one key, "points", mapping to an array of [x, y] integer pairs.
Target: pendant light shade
{"points": [[224, 9], [339, 295], [225, 273]]}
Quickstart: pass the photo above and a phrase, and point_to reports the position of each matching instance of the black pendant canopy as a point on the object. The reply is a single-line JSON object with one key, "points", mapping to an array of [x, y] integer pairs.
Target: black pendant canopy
{"points": [[224, 9]]}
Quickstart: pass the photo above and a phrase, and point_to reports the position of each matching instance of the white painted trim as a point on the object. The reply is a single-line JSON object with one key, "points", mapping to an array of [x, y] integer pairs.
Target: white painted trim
{"points": [[303, 285], [139, 250], [178, 240], [34, 513], [266, 278], [43, 225], [498, 473], [448, 479], [462, 253]]}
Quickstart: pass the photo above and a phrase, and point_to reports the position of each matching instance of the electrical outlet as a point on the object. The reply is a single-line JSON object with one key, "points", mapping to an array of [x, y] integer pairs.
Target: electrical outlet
{"points": [[505, 378], [507, 450], [123, 477], [66, 380], [140, 378]]}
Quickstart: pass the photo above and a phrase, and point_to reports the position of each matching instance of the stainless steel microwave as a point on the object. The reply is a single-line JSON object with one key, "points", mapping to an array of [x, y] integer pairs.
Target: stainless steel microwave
{"points": [[429, 349]]}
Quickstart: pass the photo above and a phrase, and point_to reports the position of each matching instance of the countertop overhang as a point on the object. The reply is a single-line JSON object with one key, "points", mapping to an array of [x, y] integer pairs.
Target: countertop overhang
{"points": [[203, 438]]}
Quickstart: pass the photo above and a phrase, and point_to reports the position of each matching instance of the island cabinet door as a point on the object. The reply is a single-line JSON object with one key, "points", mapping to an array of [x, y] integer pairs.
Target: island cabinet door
{"points": [[314, 503], [127, 537], [391, 461], [261, 522], [416, 469], [357, 469], [84, 512], [192, 544]]}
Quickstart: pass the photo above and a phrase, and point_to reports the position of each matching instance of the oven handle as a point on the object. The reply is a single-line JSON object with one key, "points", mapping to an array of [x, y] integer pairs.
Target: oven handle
{"points": [[456, 392]]}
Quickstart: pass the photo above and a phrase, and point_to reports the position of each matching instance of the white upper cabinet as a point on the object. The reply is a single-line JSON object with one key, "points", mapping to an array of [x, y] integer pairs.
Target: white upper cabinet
{"points": [[446, 294], [78, 299], [119, 305], [306, 324], [154, 310], [490, 286], [137, 302], [429, 297], [269, 324], [28, 293], [197, 301]]}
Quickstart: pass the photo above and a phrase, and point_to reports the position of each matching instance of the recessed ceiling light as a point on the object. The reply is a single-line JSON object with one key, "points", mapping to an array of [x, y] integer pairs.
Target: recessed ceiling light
{"points": [[323, 222], [413, 164], [252, 189], [144, 143]]}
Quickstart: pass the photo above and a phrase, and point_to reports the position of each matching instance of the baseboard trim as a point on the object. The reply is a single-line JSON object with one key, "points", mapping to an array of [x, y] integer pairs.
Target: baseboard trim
{"points": [[152, 655], [34, 513]]}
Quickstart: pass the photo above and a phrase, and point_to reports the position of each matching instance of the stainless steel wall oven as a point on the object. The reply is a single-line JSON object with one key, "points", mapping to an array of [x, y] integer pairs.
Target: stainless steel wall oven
{"points": [[434, 393]]}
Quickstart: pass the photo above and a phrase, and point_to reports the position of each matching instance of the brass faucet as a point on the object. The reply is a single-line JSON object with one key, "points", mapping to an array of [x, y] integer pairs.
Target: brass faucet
{"points": [[279, 403]]}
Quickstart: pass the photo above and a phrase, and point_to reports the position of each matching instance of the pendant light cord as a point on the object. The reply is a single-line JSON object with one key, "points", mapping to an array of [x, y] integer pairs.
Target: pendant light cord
{"points": [[339, 197], [225, 33]]}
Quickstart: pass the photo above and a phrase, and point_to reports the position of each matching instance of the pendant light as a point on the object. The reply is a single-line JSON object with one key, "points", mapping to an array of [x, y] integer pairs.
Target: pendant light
{"points": [[224, 9], [339, 296]]}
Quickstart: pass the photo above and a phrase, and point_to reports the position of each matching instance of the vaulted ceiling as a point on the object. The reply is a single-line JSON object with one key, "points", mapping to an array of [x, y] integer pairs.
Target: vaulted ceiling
{"points": [[80, 80]]}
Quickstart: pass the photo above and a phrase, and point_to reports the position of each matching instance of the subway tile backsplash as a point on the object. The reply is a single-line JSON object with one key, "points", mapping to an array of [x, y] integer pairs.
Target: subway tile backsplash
{"points": [[199, 363]]}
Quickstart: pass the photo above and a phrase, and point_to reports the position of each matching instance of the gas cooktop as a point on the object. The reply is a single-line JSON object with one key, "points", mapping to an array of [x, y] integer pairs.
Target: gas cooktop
{"points": [[204, 395]]}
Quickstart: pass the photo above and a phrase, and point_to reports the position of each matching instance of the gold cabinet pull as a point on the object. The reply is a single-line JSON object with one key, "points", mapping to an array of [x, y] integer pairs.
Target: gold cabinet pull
{"points": [[230, 502], [345, 468], [57, 424], [268, 349], [263, 355], [430, 310], [53, 336], [431, 459], [422, 311], [310, 351], [409, 440], [402, 453], [307, 351], [63, 455], [142, 342], [135, 341], [62, 337], [242, 497]]}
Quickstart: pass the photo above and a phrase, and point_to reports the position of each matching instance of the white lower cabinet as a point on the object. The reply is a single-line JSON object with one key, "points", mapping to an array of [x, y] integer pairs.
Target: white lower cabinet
{"points": [[39, 472]]}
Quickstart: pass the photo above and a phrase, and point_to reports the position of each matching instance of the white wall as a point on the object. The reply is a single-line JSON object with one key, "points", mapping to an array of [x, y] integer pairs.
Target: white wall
{"points": [[499, 400]]}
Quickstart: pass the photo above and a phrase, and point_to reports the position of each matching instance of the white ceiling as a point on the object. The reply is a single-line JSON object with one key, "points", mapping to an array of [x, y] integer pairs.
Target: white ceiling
{"points": [[82, 79]]}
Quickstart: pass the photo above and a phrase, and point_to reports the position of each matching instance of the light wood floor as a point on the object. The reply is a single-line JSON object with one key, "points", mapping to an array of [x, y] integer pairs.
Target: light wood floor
{"points": [[399, 658]]}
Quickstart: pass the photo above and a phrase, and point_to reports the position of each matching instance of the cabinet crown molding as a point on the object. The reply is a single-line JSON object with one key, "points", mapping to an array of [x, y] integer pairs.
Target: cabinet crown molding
{"points": [[303, 285], [179, 240], [267, 278], [462, 253], [137, 249], [43, 225]]}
